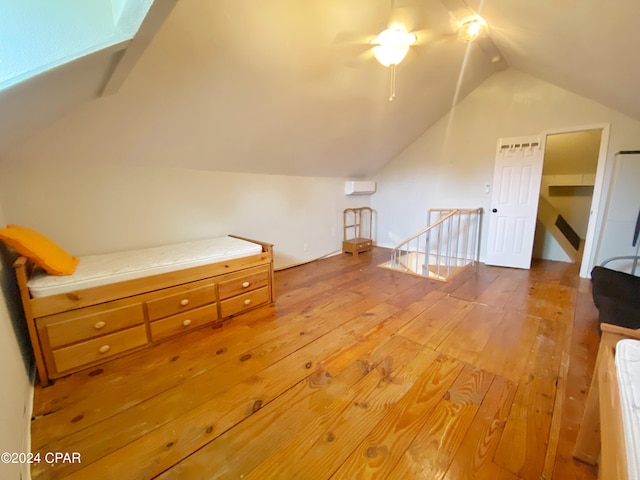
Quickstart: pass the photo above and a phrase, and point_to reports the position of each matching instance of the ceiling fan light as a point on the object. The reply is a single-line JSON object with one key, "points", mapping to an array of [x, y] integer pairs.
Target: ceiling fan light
{"points": [[470, 30], [392, 45], [389, 55]]}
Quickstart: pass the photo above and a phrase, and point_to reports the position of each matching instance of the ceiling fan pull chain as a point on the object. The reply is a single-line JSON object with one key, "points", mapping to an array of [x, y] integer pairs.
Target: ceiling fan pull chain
{"points": [[393, 82]]}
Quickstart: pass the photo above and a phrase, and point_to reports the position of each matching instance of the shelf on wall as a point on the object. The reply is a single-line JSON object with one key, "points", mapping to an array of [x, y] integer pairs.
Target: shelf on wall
{"points": [[570, 180]]}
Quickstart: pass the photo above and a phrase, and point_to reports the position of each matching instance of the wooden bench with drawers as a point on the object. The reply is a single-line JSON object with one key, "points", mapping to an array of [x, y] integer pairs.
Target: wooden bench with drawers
{"points": [[72, 331]]}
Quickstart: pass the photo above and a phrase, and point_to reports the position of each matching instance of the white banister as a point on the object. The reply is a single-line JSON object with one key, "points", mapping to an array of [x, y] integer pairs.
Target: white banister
{"points": [[448, 244]]}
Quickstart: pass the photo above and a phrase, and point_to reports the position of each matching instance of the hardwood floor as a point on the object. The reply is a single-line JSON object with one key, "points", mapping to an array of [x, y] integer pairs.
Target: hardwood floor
{"points": [[356, 372]]}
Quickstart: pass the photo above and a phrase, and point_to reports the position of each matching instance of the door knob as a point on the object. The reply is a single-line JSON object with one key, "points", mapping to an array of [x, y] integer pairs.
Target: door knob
{"points": [[495, 210]]}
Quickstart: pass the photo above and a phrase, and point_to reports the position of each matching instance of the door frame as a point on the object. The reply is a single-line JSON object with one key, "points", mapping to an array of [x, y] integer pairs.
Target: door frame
{"points": [[595, 220]]}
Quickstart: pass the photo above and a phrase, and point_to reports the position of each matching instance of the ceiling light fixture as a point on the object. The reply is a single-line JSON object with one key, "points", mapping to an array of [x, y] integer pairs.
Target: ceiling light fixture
{"points": [[391, 46], [471, 29]]}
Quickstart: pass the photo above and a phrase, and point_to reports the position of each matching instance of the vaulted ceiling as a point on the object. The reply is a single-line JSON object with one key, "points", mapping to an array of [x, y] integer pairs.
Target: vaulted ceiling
{"points": [[290, 87]]}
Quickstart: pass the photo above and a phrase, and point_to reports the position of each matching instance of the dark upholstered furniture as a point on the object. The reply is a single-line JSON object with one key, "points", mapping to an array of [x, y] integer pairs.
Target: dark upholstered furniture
{"points": [[617, 296]]}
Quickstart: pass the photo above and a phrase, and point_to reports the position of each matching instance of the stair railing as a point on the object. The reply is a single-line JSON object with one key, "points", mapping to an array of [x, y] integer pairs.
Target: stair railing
{"points": [[450, 240]]}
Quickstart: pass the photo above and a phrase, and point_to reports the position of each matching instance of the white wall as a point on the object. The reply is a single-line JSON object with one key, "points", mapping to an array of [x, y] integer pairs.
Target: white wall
{"points": [[572, 202], [449, 165], [545, 246], [17, 391], [93, 209]]}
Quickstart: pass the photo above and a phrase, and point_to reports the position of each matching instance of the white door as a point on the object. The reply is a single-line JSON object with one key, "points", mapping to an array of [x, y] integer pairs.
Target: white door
{"points": [[514, 204]]}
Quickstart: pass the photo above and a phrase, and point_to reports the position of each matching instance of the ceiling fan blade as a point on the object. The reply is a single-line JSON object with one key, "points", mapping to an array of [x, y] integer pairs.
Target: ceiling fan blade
{"points": [[354, 50], [357, 60], [353, 38]]}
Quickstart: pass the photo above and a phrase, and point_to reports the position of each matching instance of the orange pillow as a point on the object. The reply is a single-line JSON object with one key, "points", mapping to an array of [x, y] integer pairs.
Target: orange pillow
{"points": [[42, 251]]}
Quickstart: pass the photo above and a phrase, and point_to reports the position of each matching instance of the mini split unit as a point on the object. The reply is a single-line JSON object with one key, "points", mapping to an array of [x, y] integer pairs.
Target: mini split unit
{"points": [[359, 188]]}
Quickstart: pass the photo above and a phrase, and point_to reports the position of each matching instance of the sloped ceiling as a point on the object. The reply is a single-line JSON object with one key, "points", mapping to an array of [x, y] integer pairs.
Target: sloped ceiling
{"points": [[286, 87], [587, 47]]}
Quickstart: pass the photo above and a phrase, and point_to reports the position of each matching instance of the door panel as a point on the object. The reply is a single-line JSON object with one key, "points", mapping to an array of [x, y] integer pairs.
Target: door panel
{"points": [[512, 219]]}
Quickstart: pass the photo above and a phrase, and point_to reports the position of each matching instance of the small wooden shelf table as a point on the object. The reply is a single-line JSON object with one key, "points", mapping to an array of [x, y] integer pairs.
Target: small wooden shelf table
{"points": [[357, 230]]}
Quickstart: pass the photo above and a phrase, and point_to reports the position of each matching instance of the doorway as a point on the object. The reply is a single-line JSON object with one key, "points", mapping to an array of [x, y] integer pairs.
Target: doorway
{"points": [[573, 166]]}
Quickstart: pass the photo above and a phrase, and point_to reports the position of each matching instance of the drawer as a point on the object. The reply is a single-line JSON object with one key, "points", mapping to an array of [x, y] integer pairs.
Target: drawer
{"points": [[101, 348], [88, 323], [181, 302], [247, 301], [238, 283], [183, 322]]}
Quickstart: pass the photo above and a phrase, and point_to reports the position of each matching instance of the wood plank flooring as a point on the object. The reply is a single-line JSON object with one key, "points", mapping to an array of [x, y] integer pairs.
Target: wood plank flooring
{"points": [[356, 372]]}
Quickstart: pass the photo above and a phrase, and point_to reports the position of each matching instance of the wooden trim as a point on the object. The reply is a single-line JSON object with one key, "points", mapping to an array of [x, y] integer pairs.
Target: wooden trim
{"points": [[618, 333], [588, 442], [613, 463], [266, 248], [23, 268], [90, 296]]}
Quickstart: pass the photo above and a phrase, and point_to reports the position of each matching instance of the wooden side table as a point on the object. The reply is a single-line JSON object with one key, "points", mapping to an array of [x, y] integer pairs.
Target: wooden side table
{"points": [[357, 230]]}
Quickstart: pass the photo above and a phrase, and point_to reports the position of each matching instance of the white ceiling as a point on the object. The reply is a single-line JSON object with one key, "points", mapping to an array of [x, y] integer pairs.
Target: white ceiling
{"points": [[588, 47], [286, 86]]}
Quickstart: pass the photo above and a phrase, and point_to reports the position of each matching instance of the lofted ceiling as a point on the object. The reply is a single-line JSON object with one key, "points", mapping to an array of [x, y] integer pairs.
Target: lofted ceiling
{"points": [[290, 87]]}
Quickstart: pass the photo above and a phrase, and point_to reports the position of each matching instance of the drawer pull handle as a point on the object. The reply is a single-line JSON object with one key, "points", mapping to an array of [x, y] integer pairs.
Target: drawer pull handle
{"points": [[104, 348], [184, 302], [247, 301], [186, 323], [245, 284], [99, 325]]}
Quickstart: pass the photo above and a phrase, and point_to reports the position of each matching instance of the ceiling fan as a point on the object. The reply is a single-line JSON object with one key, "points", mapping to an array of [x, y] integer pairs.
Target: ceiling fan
{"points": [[391, 45], [468, 22]]}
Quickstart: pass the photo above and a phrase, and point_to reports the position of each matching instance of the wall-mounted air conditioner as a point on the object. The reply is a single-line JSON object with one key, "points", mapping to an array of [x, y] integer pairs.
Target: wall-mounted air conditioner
{"points": [[359, 188]]}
